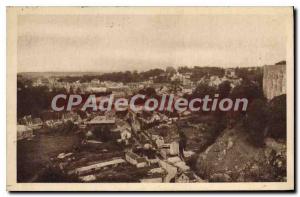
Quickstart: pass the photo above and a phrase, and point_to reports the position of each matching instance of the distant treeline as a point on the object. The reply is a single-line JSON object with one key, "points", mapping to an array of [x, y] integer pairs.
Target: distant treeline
{"points": [[162, 76], [157, 75], [125, 77]]}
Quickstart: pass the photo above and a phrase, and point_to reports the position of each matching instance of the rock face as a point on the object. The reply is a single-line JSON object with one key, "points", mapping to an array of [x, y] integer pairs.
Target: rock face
{"points": [[232, 159], [274, 80]]}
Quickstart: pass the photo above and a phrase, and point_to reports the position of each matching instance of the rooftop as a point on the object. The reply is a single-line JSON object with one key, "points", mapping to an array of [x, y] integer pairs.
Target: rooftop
{"points": [[100, 165], [102, 120]]}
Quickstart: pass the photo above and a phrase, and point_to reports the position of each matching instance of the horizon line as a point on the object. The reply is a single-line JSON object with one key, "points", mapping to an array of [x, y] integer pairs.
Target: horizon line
{"points": [[135, 70]]}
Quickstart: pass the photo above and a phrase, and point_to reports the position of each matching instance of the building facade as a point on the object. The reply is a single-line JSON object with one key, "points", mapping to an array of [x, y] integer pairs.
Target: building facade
{"points": [[274, 80]]}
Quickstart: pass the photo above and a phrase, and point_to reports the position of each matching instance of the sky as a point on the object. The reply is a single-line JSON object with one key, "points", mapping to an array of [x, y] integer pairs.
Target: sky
{"points": [[107, 43]]}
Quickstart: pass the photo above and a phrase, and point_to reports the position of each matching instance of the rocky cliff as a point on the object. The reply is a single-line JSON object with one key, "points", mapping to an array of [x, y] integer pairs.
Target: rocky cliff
{"points": [[232, 159]]}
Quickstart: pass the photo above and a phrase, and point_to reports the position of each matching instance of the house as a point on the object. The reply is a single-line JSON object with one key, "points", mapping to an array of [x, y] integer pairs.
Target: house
{"points": [[178, 163], [164, 152], [64, 155], [102, 120], [187, 91], [95, 81], [24, 132], [170, 149], [230, 73], [26, 120], [183, 79], [89, 134], [87, 178], [170, 170], [162, 90], [174, 148], [119, 94], [157, 170], [41, 82], [215, 81], [159, 140], [186, 113], [122, 135], [136, 160], [33, 123], [125, 135], [152, 161], [152, 178], [187, 177], [136, 125], [93, 89], [133, 85], [141, 162], [182, 166], [121, 125], [173, 159], [37, 123], [82, 126], [98, 166], [71, 116], [155, 175], [182, 178], [53, 123]]}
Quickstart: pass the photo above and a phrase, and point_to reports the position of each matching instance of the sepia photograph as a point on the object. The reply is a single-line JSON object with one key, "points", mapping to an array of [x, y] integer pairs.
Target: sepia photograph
{"points": [[150, 98]]}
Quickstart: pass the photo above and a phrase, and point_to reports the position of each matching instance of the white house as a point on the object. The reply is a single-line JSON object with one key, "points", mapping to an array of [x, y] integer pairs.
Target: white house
{"points": [[188, 177], [174, 148], [153, 178], [125, 135], [136, 160], [98, 166], [24, 132]]}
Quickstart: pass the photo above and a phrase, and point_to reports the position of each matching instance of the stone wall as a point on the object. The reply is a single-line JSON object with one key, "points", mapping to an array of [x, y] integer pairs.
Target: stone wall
{"points": [[274, 81]]}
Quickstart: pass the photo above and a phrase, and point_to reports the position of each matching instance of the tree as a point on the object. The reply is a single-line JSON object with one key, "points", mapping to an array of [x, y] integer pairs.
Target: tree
{"points": [[32, 100], [199, 72], [203, 90], [277, 118], [170, 70], [248, 90], [175, 85], [184, 69], [224, 89], [182, 143], [151, 73], [256, 120], [254, 74], [149, 91], [103, 132]]}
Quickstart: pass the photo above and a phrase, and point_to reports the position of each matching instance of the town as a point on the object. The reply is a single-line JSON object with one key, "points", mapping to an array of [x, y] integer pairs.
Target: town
{"points": [[132, 146]]}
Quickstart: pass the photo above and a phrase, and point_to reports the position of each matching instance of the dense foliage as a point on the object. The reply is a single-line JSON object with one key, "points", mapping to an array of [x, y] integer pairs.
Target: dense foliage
{"points": [[34, 100]]}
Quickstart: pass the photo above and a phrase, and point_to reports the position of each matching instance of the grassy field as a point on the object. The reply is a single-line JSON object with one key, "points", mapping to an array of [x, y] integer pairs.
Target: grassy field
{"points": [[33, 155]]}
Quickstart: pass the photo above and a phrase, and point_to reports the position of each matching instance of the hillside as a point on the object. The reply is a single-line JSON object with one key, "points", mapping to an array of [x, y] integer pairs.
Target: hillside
{"points": [[232, 159]]}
